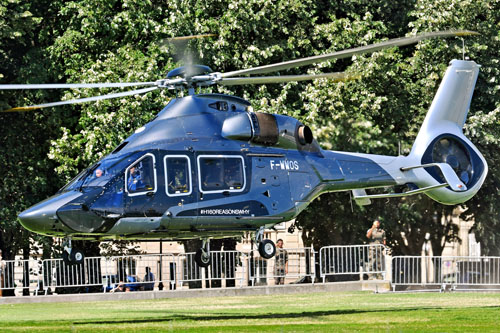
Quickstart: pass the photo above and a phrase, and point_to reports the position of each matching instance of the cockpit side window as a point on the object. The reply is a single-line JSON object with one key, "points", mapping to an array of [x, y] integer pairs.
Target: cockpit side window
{"points": [[140, 177], [221, 173], [178, 175]]}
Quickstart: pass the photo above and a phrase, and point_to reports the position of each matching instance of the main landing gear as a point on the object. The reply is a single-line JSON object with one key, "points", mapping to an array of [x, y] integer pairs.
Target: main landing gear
{"points": [[267, 248], [72, 256], [202, 256]]}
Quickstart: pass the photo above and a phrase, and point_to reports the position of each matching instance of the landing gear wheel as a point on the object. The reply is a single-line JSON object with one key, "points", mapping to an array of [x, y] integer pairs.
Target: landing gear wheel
{"points": [[267, 249], [76, 257], [202, 258]]}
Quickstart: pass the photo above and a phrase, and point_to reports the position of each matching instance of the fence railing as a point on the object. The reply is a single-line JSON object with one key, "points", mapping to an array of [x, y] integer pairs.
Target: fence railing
{"points": [[288, 265], [22, 275], [62, 278], [226, 270], [353, 259], [139, 272], [238, 269], [454, 272]]}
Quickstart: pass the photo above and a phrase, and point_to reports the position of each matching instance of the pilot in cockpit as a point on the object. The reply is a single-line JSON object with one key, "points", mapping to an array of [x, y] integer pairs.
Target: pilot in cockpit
{"points": [[99, 173], [135, 180]]}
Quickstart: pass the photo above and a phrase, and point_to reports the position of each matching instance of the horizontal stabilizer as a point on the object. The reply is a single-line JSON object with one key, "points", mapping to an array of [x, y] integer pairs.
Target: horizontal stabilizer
{"points": [[398, 195], [448, 173], [451, 180]]}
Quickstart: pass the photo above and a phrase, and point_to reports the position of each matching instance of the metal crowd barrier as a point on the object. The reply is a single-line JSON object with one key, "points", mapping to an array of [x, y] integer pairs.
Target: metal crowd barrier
{"points": [[155, 272], [226, 270], [20, 276], [236, 269], [353, 259], [455, 273], [301, 265], [61, 278], [417, 270], [139, 272]]}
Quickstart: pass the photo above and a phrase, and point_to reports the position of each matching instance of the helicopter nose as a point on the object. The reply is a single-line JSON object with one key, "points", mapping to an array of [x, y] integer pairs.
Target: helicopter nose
{"points": [[41, 217], [37, 218]]}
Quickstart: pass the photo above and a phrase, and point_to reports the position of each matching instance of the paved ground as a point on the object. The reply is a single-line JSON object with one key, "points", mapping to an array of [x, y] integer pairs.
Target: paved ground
{"points": [[376, 286]]}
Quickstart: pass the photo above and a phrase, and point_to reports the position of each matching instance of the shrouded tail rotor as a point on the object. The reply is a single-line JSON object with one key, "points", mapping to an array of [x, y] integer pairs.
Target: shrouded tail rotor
{"points": [[441, 138], [443, 163]]}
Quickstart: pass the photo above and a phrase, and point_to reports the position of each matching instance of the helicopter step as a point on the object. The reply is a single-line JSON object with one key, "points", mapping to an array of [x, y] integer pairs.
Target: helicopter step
{"points": [[70, 255]]}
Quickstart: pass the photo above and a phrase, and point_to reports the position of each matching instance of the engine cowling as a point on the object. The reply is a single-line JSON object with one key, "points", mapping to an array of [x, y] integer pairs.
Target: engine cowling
{"points": [[269, 130]]}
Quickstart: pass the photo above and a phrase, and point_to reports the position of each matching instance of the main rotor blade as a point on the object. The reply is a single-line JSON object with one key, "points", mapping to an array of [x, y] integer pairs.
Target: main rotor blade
{"points": [[284, 78], [347, 53], [82, 100], [173, 39], [74, 85]]}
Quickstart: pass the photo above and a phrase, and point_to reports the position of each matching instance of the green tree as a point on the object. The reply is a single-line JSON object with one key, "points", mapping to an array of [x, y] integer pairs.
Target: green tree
{"points": [[386, 107], [482, 125], [113, 41], [25, 136]]}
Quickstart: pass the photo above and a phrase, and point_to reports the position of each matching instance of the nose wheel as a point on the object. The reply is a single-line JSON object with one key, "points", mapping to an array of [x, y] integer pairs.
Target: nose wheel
{"points": [[70, 255], [266, 247], [202, 256]]}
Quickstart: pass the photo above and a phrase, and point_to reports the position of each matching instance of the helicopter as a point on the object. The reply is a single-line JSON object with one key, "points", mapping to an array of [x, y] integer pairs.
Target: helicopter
{"points": [[208, 166]]}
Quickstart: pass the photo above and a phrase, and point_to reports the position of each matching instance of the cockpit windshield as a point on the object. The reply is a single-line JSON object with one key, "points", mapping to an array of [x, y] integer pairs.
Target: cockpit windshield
{"points": [[102, 172]]}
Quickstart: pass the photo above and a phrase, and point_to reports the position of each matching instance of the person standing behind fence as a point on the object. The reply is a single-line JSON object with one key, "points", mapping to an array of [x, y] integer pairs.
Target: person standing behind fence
{"points": [[280, 263], [149, 277], [376, 235]]}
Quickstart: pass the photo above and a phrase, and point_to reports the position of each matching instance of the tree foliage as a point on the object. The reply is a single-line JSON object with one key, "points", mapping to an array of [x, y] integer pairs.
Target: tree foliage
{"points": [[110, 40]]}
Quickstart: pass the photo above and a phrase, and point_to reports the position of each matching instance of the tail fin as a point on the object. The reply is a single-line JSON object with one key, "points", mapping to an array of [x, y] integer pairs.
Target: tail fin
{"points": [[441, 139]]}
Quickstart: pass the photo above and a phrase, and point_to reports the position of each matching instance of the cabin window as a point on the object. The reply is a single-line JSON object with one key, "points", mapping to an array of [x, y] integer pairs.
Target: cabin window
{"points": [[177, 175], [221, 173], [140, 177]]}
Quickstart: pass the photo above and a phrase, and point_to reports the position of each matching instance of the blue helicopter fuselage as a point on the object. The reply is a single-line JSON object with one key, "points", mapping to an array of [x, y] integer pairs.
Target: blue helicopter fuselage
{"points": [[206, 166]]}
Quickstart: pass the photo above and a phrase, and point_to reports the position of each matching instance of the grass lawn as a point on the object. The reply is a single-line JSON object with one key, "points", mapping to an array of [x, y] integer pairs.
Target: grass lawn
{"points": [[314, 312]]}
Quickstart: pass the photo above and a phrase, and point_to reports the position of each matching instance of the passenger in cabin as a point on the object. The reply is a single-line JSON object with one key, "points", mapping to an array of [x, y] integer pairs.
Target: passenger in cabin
{"points": [[177, 177], [232, 174]]}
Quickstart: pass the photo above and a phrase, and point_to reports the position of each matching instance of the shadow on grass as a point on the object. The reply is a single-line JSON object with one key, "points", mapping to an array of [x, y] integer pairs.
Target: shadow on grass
{"points": [[237, 316]]}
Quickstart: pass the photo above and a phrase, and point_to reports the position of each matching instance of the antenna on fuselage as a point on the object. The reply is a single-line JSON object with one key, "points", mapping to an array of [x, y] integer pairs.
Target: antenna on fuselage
{"points": [[463, 48]]}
